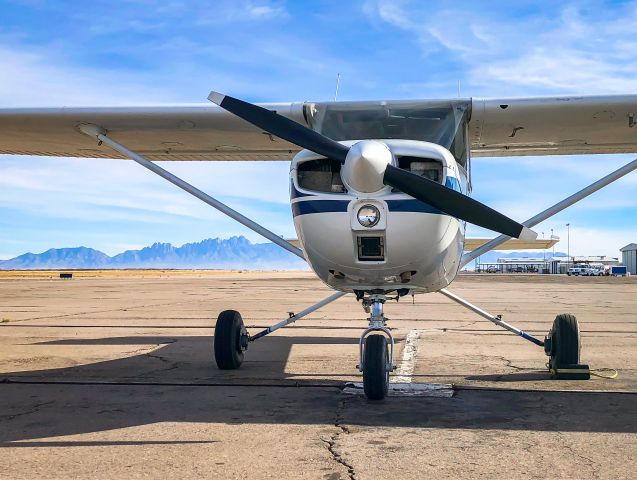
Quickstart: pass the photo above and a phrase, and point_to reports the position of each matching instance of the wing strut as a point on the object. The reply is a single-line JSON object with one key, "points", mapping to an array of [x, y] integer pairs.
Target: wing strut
{"points": [[497, 319], [554, 210], [101, 135]]}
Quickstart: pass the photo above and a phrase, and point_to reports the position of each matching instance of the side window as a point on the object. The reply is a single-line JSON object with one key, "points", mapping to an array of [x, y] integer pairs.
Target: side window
{"points": [[458, 147], [320, 176]]}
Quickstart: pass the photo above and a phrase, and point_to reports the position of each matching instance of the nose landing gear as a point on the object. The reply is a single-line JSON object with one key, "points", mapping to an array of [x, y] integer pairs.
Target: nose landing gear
{"points": [[376, 354]]}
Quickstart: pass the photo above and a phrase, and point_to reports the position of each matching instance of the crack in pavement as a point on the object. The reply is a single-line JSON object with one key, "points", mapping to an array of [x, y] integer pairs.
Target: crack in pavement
{"points": [[36, 408], [333, 440], [91, 312], [172, 364], [509, 364], [594, 466]]}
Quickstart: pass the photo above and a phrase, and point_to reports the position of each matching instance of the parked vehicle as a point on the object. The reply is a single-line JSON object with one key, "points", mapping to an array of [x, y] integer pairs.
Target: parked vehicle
{"points": [[592, 272], [575, 271], [619, 270]]}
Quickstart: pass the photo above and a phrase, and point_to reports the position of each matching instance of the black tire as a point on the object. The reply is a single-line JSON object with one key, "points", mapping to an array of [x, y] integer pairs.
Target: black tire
{"points": [[375, 374], [228, 331], [565, 341]]}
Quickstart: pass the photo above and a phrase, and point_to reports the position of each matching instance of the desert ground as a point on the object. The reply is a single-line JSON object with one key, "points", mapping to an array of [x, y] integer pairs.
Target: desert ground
{"points": [[111, 375]]}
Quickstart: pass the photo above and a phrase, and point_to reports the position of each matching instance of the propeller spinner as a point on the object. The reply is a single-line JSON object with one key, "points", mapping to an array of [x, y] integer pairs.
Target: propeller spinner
{"points": [[368, 166]]}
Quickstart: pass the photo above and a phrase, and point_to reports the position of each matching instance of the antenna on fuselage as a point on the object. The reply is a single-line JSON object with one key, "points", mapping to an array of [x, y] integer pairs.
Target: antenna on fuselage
{"points": [[338, 81], [458, 88]]}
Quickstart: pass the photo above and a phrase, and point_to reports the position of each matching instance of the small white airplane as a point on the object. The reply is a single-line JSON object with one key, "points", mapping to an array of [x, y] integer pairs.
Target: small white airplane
{"points": [[379, 190]]}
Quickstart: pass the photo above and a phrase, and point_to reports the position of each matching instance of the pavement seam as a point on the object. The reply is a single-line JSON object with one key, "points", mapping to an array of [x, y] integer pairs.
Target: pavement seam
{"points": [[333, 440]]}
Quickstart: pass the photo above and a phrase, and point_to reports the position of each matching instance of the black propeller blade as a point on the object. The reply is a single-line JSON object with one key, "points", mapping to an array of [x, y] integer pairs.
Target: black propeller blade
{"points": [[281, 126], [444, 199], [454, 203]]}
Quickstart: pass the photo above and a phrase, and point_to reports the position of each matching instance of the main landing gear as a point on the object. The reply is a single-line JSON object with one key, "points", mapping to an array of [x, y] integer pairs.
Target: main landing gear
{"points": [[231, 340], [376, 345], [561, 345]]}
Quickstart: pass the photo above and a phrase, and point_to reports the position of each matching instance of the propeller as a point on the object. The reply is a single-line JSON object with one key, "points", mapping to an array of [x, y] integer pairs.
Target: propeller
{"points": [[443, 198], [281, 126], [455, 203]]}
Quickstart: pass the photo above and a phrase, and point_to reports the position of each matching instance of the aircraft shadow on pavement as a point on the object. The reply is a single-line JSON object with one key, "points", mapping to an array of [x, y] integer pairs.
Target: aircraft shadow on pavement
{"points": [[188, 359], [179, 383]]}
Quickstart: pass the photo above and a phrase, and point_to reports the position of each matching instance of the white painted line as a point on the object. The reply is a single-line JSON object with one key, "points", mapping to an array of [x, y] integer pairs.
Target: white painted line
{"points": [[405, 370], [407, 389]]}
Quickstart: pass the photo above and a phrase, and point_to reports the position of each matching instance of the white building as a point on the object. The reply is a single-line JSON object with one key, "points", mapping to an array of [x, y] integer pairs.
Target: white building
{"points": [[546, 265]]}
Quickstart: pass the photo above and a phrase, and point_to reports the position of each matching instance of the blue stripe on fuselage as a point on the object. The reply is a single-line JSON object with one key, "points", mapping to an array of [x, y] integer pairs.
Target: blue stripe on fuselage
{"points": [[307, 207], [415, 206]]}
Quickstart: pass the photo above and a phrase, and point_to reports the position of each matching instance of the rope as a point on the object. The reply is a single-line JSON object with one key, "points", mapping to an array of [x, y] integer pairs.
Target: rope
{"points": [[608, 373]]}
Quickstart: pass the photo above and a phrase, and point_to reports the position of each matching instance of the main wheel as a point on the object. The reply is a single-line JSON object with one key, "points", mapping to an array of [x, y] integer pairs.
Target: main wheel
{"points": [[375, 373], [565, 341], [228, 332]]}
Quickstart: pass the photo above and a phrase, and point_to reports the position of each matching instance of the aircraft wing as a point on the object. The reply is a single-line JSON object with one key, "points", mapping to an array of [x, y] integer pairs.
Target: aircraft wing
{"points": [[497, 127], [471, 244], [553, 125], [185, 132]]}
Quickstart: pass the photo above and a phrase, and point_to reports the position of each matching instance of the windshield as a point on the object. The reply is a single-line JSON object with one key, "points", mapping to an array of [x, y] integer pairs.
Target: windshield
{"points": [[443, 122]]}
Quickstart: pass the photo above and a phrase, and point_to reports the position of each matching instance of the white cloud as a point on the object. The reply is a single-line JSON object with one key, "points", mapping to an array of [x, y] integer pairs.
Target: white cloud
{"points": [[591, 241], [265, 11], [34, 77], [566, 48], [105, 189], [241, 11], [583, 240]]}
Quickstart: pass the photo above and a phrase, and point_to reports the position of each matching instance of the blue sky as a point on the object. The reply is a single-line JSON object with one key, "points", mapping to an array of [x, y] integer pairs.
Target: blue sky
{"points": [[145, 52]]}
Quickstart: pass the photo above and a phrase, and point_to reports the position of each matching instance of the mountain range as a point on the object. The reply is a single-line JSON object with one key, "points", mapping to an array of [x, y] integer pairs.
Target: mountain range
{"points": [[213, 253]]}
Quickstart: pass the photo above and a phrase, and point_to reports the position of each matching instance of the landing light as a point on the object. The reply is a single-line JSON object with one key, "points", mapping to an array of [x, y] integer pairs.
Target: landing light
{"points": [[368, 216]]}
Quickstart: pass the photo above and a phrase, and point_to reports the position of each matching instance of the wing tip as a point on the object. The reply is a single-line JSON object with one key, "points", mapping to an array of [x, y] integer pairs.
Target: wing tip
{"points": [[216, 97]]}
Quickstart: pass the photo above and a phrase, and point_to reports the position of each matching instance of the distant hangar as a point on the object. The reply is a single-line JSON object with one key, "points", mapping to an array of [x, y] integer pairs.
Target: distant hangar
{"points": [[629, 257]]}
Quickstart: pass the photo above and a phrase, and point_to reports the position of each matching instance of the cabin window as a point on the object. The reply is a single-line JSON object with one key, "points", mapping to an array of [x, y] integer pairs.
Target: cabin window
{"points": [[443, 122], [320, 176]]}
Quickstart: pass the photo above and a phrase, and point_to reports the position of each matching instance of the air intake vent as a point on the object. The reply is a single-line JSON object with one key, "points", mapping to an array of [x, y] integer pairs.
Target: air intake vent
{"points": [[371, 249]]}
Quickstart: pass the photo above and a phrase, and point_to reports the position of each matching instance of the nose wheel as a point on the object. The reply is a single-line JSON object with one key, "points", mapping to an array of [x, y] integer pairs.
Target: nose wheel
{"points": [[376, 350], [376, 367]]}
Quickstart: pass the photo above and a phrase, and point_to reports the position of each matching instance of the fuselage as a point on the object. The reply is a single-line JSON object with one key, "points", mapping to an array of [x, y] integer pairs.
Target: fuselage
{"points": [[405, 245]]}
